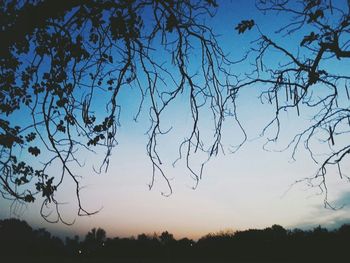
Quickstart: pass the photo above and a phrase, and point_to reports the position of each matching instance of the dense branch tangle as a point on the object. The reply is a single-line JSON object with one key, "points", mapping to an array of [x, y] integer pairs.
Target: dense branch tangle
{"points": [[307, 76], [57, 71]]}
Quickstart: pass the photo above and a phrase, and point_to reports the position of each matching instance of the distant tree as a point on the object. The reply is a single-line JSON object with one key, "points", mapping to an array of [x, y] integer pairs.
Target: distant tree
{"points": [[166, 238], [72, 245], [185, 243], [303, 67], [96, 235], [19, 240], [344, 230], [15, 235], [277, 232], [319, 231], [143, 238], [343, 235], [94, 240]]}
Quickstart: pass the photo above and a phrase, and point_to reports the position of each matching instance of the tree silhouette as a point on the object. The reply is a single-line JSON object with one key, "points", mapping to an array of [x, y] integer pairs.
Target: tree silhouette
{"points": [[94, 240], [65, 63], [312, 50], [166, 238], [63, 66], [19, 242], [72, 245]]}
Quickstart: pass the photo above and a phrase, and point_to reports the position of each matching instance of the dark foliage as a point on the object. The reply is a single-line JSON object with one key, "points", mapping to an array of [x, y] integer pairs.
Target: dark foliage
{"points": [[63, 61], [63, 65], [18, 240]]}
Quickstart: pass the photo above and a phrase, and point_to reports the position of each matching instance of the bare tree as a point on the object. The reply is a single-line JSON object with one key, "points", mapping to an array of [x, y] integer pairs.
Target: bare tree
{"points": [[64, 61], [311, 76]]}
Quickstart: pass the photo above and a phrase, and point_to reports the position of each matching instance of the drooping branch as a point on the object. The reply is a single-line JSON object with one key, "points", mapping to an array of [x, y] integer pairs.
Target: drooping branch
{"points": [[305, 79], [78, 55]]}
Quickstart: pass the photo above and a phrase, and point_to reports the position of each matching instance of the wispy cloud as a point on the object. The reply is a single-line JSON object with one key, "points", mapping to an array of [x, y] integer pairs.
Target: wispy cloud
{"points": [[343, 200], [329, 218]]}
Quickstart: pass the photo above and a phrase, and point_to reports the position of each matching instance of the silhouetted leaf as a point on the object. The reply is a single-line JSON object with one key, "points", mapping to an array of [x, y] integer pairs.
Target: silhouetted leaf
{"points": [[309, 39], [244, 25], [212, 2], [171, 22], [314, 16], [29, 198], [30, 137], [311, 3], [34, 150], [61, 102]]}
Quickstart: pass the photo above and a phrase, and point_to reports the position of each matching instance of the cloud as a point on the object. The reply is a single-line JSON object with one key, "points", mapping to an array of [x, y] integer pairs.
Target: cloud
{"points": [[326, 217], [343, 200]]}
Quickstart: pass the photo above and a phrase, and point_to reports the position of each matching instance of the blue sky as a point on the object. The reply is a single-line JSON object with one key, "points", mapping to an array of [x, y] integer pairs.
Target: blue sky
{"points": [[248, 189]]}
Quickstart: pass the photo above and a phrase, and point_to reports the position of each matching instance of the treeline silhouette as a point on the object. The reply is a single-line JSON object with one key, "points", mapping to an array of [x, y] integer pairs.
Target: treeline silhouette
{"points": [[19, 241]]}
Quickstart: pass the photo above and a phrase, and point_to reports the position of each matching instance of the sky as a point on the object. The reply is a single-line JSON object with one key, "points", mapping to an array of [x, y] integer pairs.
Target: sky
{"points": [[248, 189]]}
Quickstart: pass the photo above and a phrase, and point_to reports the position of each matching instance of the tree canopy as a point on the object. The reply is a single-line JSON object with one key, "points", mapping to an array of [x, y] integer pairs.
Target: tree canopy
{"points": [[63, 61], [273, 243]]}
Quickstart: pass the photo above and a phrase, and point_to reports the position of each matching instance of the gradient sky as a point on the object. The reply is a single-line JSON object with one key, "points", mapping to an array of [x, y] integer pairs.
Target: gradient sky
{"points": [[248, 189]]}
